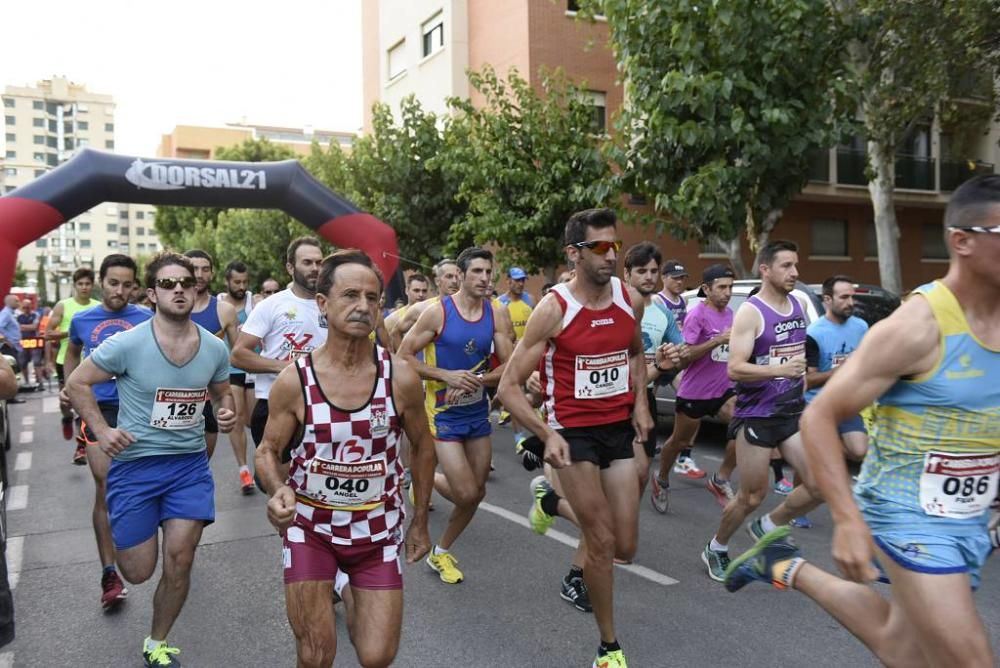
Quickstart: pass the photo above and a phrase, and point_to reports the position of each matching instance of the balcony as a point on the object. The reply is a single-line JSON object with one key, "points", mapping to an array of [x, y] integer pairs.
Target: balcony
{"points": [[954, 173], [912, 172], [851, 166]]}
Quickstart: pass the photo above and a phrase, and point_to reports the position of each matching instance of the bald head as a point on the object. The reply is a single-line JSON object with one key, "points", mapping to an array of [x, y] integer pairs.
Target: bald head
{"points": [[11, 302]]}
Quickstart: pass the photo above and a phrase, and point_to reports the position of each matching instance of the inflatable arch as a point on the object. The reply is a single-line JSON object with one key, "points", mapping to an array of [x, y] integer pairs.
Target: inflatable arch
{"points": [[93, 177]]}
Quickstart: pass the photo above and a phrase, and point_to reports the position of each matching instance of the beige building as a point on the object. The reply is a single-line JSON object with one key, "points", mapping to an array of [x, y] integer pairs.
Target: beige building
{"points": [[45, 125], [423, 47], [201, 143]]}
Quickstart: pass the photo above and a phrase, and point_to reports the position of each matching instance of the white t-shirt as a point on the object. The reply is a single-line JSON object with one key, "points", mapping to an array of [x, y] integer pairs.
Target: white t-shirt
{"points": [[288, 327]]}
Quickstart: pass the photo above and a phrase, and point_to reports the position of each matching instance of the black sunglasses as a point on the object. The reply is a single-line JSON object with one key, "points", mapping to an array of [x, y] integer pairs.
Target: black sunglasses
{"points": [[170, 283]]}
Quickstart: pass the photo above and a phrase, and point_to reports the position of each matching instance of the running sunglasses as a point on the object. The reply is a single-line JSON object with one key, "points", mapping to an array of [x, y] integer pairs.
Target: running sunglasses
{"points": [[599, 247], [170, 283], [976, 228]]}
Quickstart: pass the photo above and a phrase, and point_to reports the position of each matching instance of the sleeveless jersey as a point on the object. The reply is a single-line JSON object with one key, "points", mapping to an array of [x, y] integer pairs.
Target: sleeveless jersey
{"points": [[585, 369], [346, 470], [520, 311], [241, 317], [70, 308], [782, 337], [461, 345], [678, 308], [935, 446], [209, 317]]}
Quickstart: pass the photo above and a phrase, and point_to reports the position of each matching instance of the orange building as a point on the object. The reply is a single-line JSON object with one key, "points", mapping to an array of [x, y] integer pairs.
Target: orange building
{"points": [[201, 143]]}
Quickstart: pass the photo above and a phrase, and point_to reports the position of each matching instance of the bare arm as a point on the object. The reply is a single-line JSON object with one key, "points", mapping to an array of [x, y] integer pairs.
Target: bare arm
{"points": [[70, 362], [428, 326], [642, 420], [225, 406], [286, 411], [52, 332], [230, 322], [244, 357], [741, 341], [408, 393], [404, 324], [696, 352], [381, 333], [503, 343], [80, 390]]}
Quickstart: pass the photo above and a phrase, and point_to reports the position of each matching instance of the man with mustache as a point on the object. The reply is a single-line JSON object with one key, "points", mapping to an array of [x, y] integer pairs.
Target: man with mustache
{"points": [[88, 329], [166, 368], [457, 339]]}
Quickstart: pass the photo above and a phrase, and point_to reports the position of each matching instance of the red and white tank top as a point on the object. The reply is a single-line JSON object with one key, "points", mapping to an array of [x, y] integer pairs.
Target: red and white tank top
{"points": [[346, 470], [585, 369]]}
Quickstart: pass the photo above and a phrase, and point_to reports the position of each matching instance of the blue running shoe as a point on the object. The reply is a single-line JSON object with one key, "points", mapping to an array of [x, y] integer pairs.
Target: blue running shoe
{"points": [[802, 523], [757, 562]]}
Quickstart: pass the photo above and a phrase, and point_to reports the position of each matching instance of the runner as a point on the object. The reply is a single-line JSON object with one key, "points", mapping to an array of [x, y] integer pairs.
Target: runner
{"points": [[920, 506], [283, 327], [457, 340], [268, 287], [218, 318], [241, 383], [662, 342], [704, 389], [519, 305], [417, 290], [767, 349], [30, 358], [340, 507], [165, 368], [587, 336], [446, 280]]}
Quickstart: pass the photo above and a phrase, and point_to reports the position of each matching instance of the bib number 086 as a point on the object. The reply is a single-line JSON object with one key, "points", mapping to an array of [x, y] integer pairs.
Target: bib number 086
{"points": [[966, 486], [359, 486]]}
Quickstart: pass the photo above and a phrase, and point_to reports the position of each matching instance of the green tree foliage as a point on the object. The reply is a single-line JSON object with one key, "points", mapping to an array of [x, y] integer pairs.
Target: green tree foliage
{"points": [[259, 238], [392, 174], [20, 275], [727, 102], [526, 160]]}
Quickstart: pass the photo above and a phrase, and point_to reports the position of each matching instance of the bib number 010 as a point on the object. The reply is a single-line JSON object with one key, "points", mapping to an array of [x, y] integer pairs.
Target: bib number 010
{"points": [[604, 376]]}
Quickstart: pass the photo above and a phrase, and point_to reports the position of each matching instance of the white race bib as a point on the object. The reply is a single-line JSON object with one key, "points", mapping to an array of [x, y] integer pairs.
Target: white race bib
{"points": [[838, 359], [958, 486], [780, 354], [600, 376], [177, 408], [346, 484], [720, 353], [468, 398]]}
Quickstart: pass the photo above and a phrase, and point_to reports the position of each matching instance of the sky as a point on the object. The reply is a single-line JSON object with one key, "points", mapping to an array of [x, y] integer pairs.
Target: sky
{"points": [[292, 63]]}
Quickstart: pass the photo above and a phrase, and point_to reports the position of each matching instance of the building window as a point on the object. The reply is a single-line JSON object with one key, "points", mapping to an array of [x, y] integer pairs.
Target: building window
{"points": [[8, 102], [712, 247], [9, 120], [123, 215], [39, 139], [433, 32], [37, 105], [10, 171], [933, 247], [84, 243], [41, 243], [11, 155], [84, 227], [140, 248], [38, 122], [151, 215], [109, 127], [112, 243], [599, 101], [140, 230], [112, 228], [829, 237], [109, 143], [10, 136], [54, 127], [397, 60], [83, 125], [140, 215], [38, 157]]}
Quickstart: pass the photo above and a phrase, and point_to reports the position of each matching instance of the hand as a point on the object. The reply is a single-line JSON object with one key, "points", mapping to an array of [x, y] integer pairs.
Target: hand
{"points": [[793, 368], [853, 551], [226, 419], [642, 423], [463, 380], [64, 401], [534, 383], [113, 441], [557, 451], [418, 542], [281, 508], [723, 338]]}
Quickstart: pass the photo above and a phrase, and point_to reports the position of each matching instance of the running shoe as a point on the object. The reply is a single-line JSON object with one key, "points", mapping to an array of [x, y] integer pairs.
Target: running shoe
{"points": [[686, 467], [716, 562], [446, 566], [783, 487], [503, 419], [161, 657], [540, 520], [615, 659], [113, 591], [755, 529], [246, 482], [802, 523], [530, 449], [722, 490], [757, 563], [574, 591], [659, 495], [80, 454]]}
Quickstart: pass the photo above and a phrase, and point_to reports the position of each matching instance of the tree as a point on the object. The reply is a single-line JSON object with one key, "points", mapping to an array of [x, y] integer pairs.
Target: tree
{"points": [[40, 280], [526, 160], [727, 102], [396, 173], [911, 61], [258, 238], [20, 275]]}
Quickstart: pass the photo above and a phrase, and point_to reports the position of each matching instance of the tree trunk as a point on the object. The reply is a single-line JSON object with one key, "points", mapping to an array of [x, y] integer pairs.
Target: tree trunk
{"points": [[763, 235], [734, 250], [881, 188]]}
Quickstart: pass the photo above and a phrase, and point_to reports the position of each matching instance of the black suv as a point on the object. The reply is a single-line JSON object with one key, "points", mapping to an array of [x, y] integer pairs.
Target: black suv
{"points": [[871, 302]]}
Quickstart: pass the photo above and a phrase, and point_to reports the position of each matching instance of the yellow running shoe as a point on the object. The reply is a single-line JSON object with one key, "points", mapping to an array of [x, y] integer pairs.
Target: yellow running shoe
{"points": [[615, 659], [447, 567]]}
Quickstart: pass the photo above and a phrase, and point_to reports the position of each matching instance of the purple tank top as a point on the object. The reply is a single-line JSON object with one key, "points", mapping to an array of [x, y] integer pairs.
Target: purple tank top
{"points": [[782, 337]]}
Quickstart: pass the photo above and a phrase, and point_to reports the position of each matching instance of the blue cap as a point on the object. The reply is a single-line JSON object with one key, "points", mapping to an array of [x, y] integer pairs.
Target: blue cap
{"points": [[516, 273]]}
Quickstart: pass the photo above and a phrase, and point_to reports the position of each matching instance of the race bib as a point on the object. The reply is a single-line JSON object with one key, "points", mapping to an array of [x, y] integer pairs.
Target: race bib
{"points": [[837, 360], [468, 398], [177, 408], [721, 353], [346, 484], [599, 376], [782, 353], [958, 486]]}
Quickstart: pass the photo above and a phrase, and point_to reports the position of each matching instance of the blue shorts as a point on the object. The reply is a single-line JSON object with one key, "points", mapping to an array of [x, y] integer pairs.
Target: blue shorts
{"points": [[855, 423], [145, 492], [445, 428]]}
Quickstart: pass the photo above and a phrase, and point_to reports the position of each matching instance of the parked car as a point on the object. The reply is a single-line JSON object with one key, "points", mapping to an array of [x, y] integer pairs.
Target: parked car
{"points": [[871, 302], [6, 599], [665, 394]]}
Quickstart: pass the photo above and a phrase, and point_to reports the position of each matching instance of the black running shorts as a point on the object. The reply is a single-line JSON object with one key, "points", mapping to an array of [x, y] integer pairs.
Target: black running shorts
{"points": [[699, 408], [768, 432], [600, 444]]}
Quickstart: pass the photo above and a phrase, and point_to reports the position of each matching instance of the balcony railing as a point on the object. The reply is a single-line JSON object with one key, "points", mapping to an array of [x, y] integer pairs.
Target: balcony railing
{"points": [[954, 173], [851, 167], [912, 172]]}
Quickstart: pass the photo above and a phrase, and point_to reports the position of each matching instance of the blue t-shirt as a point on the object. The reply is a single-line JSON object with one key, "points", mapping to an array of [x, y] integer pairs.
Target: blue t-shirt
{"points": [[161, 403], [9, 328], [659, 326], [828, 344], [91, 327]]}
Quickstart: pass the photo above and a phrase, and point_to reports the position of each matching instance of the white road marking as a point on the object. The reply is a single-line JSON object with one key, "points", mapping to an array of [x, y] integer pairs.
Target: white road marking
{"points": [[27, 437], [569, 541], [23, 461], [15, 556], [712, 457], [27, 421], [7, 660], [50, 404], [18, 499]]}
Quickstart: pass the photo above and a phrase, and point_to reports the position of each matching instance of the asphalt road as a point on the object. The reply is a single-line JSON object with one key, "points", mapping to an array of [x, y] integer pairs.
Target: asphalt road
{"points": [[507, 612]]}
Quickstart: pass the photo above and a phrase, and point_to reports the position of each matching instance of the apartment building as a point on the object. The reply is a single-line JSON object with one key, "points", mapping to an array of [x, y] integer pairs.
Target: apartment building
{"points": [[423, 47], [45, 125], [202, 142]]}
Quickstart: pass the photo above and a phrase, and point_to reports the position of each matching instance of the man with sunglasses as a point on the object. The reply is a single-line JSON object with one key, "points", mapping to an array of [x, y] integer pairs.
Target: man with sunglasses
{"points": [[267, 288], [88, 329], [587, 334], [166, 368], [919, 512]]}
